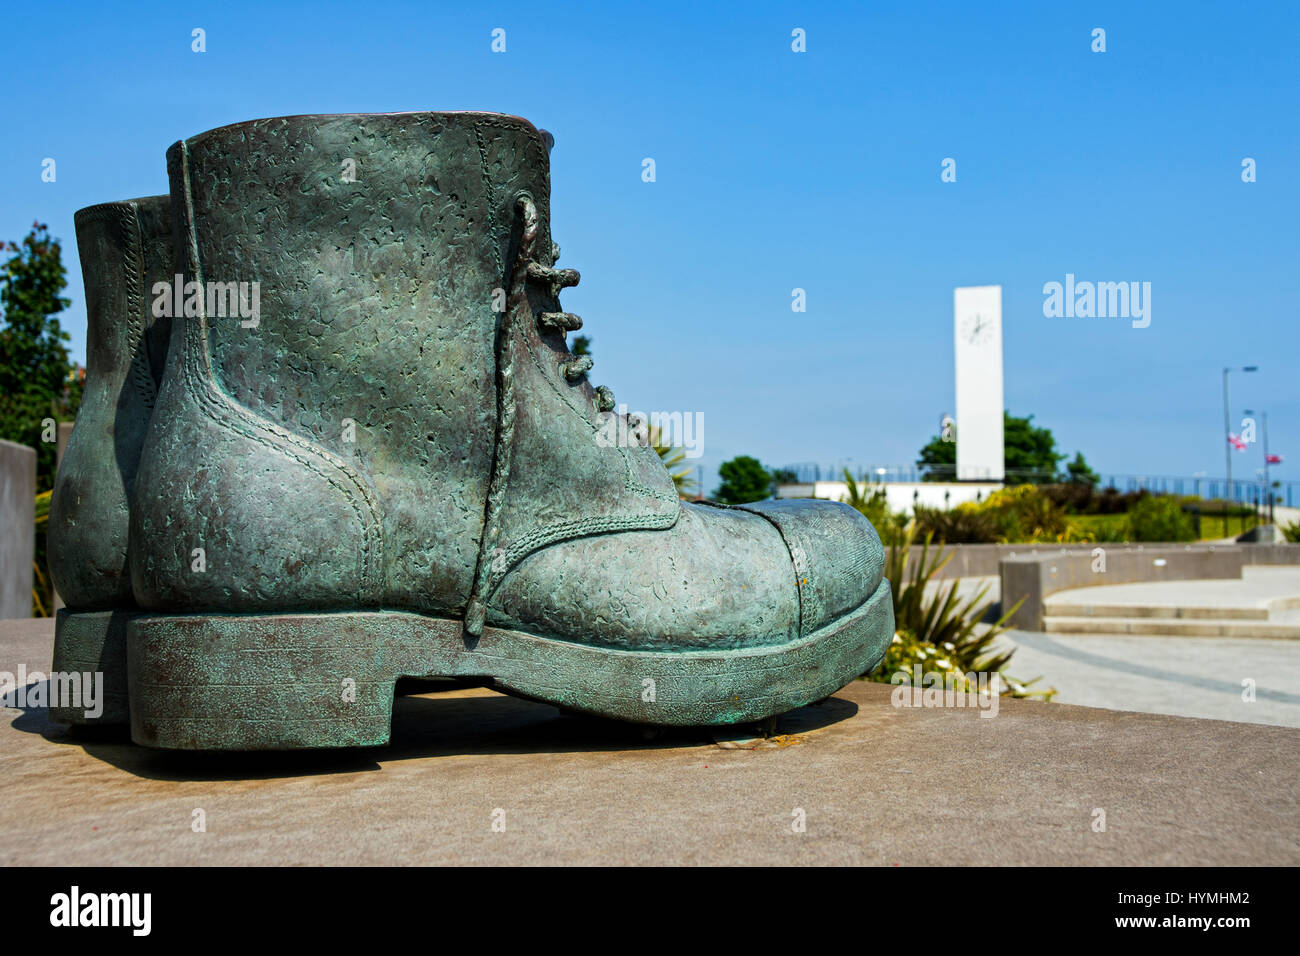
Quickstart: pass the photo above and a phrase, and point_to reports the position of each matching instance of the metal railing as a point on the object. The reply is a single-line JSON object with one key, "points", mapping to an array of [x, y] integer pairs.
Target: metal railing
{"points": [[1246, 491]]}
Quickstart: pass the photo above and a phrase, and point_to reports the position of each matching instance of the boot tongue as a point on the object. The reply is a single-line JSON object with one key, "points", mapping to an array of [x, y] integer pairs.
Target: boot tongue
{"points": [[515, 161]]}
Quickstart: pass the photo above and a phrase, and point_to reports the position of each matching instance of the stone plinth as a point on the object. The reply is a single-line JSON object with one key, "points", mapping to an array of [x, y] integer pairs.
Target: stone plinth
{"points": [[876, 784]]}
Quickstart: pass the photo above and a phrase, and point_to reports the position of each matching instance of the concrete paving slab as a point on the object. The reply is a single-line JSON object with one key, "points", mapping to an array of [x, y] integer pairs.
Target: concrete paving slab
{"points": [[873, 784], [1259, 587], [1189, 677], [1280, 629], [1263, 603]]}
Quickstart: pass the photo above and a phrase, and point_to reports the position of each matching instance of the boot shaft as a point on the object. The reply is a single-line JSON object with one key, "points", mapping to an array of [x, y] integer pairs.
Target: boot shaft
{"points": [[366, 385], [125, 248]]}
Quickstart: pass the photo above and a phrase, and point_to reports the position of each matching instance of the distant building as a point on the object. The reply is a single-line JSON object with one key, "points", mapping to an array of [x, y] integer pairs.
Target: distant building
{"points": [[899, 495]]}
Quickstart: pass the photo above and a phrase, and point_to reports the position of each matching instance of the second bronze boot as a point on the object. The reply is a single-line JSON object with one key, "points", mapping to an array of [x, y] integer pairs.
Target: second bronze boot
{"points": [[125, 248]]}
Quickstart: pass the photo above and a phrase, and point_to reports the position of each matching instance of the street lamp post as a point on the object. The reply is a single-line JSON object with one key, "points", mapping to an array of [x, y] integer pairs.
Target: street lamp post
{"points": [[1227, 424], [1268, 488]]}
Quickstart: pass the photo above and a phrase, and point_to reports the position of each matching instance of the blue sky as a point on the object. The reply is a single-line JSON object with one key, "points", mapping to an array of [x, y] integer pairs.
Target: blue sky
{"points": [[778, 170]]}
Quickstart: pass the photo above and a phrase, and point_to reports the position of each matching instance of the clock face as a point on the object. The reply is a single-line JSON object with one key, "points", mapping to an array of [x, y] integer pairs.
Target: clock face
{"points": [[978, 329]]}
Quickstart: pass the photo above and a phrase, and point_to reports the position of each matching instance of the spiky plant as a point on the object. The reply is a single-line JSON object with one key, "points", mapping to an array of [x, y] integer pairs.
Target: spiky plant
{"points": [[875, 507], [936, 628], [673, 456]]}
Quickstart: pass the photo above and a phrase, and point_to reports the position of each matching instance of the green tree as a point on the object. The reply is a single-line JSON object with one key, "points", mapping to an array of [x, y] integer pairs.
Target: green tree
{"points": [[744, 479], [37, 381], [938, 461], [38, 385], [1080, 473], [581, 345], [1029, 454]]}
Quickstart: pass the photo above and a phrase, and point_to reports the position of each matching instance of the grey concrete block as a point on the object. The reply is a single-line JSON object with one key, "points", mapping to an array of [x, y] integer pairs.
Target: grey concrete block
{"points": [[983, 560], [17, 528], [1033, 576]]}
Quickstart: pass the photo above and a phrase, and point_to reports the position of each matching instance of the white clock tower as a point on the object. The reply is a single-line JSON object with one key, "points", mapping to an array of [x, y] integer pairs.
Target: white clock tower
{"points": [[977, 329]]}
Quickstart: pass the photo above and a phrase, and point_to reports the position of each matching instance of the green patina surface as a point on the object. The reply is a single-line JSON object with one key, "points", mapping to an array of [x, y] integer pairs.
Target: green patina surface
{"points": [[396, 466]]}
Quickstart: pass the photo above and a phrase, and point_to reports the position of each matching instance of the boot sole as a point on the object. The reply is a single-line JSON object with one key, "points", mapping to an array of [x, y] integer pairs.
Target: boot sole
{"points": [[93, 642], [295, 681]]}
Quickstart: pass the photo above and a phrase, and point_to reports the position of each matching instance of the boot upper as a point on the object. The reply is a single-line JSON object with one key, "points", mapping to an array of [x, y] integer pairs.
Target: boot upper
{"points": [[125, 247], [409, 289]]}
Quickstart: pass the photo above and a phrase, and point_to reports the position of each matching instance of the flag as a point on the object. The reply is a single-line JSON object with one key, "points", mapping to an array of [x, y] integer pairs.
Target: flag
{"points": [[1236, 442], [1273, 459]]}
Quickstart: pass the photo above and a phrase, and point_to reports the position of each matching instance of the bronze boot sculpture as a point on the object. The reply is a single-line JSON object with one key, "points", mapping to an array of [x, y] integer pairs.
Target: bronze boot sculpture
{"points": [[395, 468], [125, 248]]}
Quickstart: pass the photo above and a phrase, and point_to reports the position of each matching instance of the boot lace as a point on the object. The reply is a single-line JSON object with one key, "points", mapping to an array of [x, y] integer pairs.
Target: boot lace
{"points": [[553, 280]]}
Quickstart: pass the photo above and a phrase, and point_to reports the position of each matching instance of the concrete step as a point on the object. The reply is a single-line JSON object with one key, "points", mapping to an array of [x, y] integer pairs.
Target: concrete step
{"points": [[1200, 613], [1172, 627]]}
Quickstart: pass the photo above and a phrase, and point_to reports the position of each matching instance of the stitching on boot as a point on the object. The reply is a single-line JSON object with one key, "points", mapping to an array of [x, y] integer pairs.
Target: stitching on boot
{"points": [[542, 162], [491, 200], [795, 562], [133, 249], [488, 573], [630, 483], [124, 216], [542, 537], [504, 440], [201, 385]]}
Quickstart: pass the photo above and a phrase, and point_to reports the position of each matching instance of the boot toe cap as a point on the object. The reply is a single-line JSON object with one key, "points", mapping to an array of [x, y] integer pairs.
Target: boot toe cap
{"points": [[838, 558], [720, 578]]}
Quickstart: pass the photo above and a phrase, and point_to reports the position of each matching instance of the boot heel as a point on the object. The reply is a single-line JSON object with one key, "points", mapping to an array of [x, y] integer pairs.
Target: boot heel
{"points": [[92, 642], [256, 682]]}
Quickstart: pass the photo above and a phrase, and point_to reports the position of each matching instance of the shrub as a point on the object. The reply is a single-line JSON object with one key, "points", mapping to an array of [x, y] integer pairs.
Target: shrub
{"points": [[965, 524], [1020, 514], [1220, 507], [937, 630], [1159, 518], [1098, 528], [1112, 501], [1081, 499], [1024, 513], [1072, 497]]}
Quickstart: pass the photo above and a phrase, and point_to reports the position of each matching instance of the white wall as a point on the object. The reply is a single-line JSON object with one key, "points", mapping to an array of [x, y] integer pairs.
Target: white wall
{"points": [[898, 494]]}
